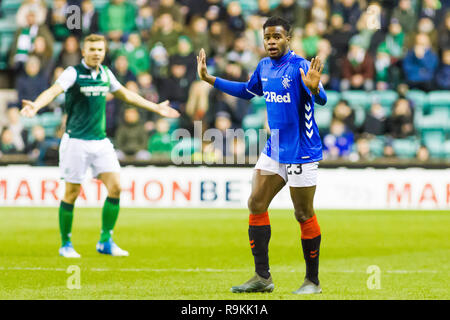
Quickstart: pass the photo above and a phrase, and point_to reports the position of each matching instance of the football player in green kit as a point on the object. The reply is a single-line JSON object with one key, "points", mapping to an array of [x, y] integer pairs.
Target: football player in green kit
{"points": [[84, 143]]}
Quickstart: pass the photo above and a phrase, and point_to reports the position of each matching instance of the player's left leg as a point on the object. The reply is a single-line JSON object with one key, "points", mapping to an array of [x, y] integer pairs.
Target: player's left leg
{"points": [[110, 213], [303, 197]]}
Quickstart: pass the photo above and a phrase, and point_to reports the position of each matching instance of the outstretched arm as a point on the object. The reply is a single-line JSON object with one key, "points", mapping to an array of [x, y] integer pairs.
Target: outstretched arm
{"points": [[30, 108], [312, 80], [134, 99], [234, 88]]}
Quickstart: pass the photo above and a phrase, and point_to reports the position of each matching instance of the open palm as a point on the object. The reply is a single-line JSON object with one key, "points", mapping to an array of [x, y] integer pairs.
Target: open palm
{"points": [[312, 78]]}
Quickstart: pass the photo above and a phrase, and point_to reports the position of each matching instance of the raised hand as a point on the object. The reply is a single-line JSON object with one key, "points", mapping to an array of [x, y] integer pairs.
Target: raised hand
{"points": [[29, 109], [165, 110], [201, 68], [312, 78], [201, 64]]}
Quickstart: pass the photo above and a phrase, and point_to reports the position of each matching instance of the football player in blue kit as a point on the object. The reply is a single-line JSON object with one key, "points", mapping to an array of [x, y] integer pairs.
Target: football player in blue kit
{"points": [[290, 85]]}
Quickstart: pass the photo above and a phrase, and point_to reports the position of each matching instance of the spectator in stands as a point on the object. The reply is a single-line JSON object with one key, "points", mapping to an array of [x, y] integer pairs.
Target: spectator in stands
{"points": [[39, 7], [405, 15], [242, 54], [220, 39], [32, 82], [70, 54], [174, 9], [339, 39], [343, 112], [375, 121], [264, 8], [320, 14], [117, 19], [7, 143], [44, 150], [214, 10], [165, 33], [401, 122], [122, 70], [24, 38], [198, 34], [444, 32], [56, 20], [236, 109], [310, 40], [89, 18], [443, 74], [423, 154], [175, 88], [159, 61], [431, 9], [291, 11], [357, 68], [18, 133], [363, 151], [254, 35], [388, 150], [144, 22], [44, 52], [131, 137], [147, 89], [160, 143], [136, 54], [426, 26], [420, 63], [234, 18], [339, 142], [324, 51], [186, 56], [350, 11]]}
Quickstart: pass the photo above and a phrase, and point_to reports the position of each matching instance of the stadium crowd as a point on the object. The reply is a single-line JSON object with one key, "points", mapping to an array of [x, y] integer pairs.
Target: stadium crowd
{"points": [[383, 59]]}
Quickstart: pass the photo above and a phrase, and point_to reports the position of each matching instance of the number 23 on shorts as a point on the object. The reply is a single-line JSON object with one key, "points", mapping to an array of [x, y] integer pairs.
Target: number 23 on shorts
{"points": [[294, 169]]}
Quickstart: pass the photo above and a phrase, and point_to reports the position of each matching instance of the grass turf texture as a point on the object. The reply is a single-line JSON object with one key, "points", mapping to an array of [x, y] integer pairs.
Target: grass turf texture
{"points": [[200, 253]]}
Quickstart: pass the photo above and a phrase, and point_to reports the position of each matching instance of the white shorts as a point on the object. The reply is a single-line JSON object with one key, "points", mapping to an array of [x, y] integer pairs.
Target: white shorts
{"points": [[295, 175], [77, 155]]}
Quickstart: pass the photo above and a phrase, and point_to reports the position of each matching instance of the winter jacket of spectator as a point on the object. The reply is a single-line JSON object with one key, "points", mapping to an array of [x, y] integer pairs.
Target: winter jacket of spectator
{"points": [[131, 138], [30, 88], [420, 70], [117, 17], [443, 77], [366, 68]]}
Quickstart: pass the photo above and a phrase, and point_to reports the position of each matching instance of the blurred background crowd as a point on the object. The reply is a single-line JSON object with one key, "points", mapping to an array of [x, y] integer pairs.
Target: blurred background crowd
{"points": [[387, 74]]}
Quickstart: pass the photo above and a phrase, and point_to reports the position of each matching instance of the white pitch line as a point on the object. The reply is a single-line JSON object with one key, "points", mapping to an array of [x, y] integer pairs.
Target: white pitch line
{"points": [[208, 270]]}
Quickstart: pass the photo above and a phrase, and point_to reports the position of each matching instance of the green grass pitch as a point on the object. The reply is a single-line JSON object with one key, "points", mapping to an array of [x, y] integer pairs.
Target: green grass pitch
{"points": [[200, 253]]}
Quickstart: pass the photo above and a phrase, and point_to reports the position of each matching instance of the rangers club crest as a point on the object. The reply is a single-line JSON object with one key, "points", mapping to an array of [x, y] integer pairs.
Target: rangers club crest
{"points": [[286, 82]]}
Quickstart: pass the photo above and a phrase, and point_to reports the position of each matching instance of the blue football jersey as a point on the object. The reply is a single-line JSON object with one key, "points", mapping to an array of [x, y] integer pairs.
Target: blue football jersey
{"points": [[294, 136]]}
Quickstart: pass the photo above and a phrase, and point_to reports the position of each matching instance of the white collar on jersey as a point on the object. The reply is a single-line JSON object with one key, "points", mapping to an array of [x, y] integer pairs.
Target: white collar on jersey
{"points": [[94, 72]]}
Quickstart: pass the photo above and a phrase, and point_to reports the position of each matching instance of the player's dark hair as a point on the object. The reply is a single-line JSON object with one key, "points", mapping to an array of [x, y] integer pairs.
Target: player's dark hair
{"points": [[277, 21]]}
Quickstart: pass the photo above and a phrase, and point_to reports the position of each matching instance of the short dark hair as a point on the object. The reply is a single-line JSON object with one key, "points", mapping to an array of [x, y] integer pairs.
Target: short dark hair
{"points": [[277, 21]]}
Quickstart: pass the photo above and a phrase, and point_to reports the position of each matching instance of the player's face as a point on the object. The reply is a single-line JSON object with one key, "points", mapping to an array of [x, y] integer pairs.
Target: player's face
{"points": [[94, 53], [276, 41]]}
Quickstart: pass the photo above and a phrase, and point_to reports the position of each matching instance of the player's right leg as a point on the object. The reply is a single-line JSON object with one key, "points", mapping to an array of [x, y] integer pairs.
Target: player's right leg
{"points": [[265, 186], [65, 220], [73, 163]]}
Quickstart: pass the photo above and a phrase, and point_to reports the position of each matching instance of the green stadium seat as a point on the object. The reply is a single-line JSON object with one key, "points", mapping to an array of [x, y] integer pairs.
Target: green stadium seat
{"points": [[434, 141], [405, 148], [360, 114], [10, 6], [50, 122], [385, 98], [258, 103], [447, 149], [437, 120], [323, 115], [254, 121], [376, 146], [439, 98], [419, 98], [333, 98], [357, 98]]}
